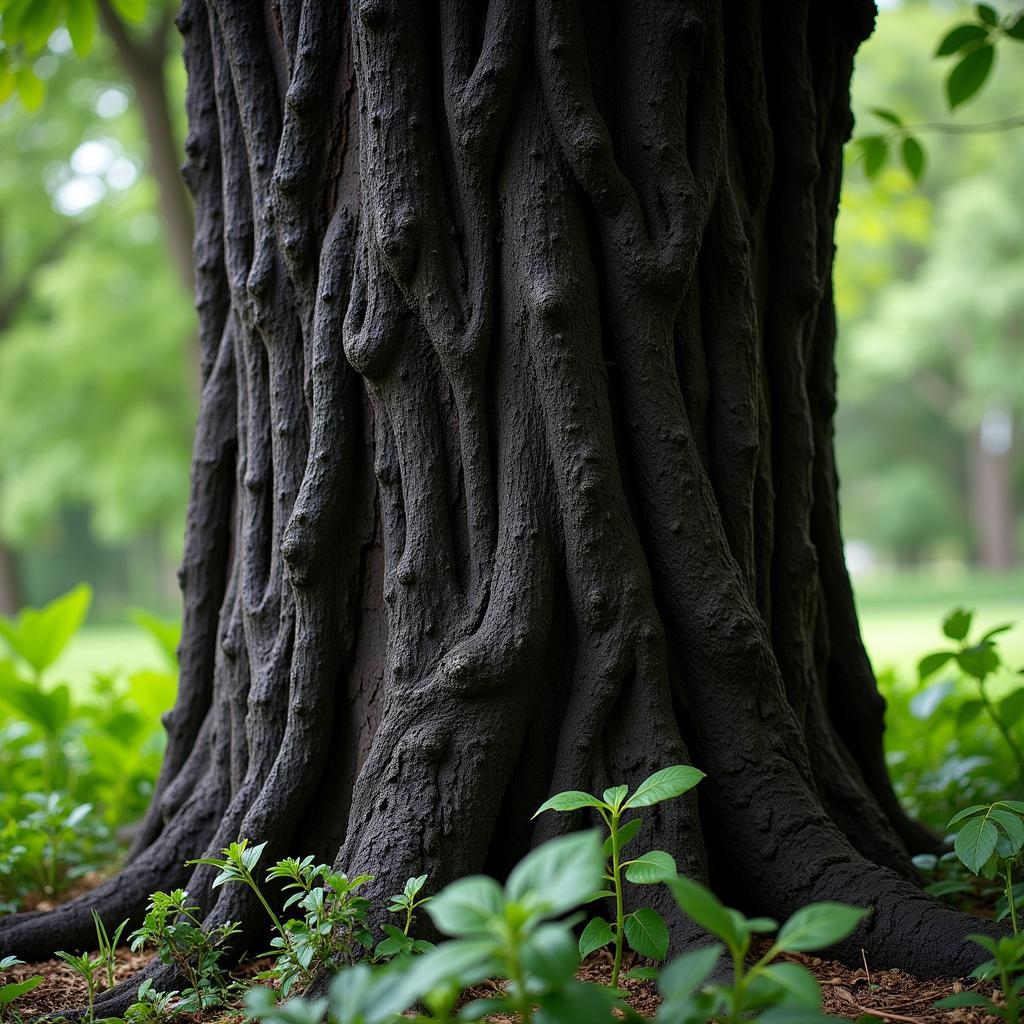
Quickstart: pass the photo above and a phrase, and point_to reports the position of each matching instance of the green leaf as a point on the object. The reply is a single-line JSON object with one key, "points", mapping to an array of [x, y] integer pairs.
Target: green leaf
{"points": [[1011, 708], [978, 662], [931, 663], [598, 933], [39, 635], [614, 796], [467, 906], [16, 989], [913, 157], [550, 954], [627, 833], [987, 14], [818, 925], [967, 812], [570, 800], [963, 999], [652, 867], [688, 972], [967, 78], [131, 10], [559, 875], [647, 933], [81, 22], [665, 785], [959, 37], [1012, 826], [166, 633], [976, 842], [798, 984], [1016, 30], [968, 712], [888, 115], [958, 623], [703, 907], [875, 149], [642, 974]]}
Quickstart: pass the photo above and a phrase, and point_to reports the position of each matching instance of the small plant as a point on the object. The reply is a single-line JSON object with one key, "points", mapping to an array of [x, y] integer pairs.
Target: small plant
{"points": [[786, 990], [150, 1006], [107, 946], [87, 968], [644, 929], [14, 990], [399, 942], [172, 927], [1007, 964], [978, 660], [990, 842]]}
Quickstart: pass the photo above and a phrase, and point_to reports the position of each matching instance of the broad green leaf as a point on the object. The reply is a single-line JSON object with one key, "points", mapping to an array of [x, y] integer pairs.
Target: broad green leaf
{"points": [[987, 14], [963, 999], [997, 630], [627, 833], [614, 796], [957, 623], [703, 907], [664, 785], [875, 149], [967, 812], [966, 79], [466, 906], [1011, 708], [968, 712], [570, 800], [978, 662], [131, 10], [598, 933], [798, 984], [976, 842], [559, 875], [647, 933], [551, 954], [818, 925], [688, 972], [1016, 29], [81, 23], [16, 989], [959, 37], [888, 115], [642, 974], [931, 663], [1012, 826], [913, 157], [39, 635], [652, 867]]}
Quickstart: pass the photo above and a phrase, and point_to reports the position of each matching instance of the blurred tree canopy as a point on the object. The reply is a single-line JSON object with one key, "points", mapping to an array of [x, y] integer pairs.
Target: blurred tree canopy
{"points": [[98, 372], [931, 308]]}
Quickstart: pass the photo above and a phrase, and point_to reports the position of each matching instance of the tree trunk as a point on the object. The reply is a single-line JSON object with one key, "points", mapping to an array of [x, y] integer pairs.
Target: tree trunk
{"points": [[514, 468], [10, 581], [990, 462]]}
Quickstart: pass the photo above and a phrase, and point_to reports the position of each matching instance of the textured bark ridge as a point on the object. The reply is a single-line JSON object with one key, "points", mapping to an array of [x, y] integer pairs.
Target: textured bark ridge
{"points": [[514, 468]]}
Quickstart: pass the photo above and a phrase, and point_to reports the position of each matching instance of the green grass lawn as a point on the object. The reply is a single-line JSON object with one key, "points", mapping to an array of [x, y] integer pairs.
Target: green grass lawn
{"points": [[106, 649], [900, 615]]}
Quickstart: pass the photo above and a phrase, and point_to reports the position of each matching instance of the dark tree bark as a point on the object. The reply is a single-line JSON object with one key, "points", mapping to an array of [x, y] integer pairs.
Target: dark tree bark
{"points": [[514, 468]]}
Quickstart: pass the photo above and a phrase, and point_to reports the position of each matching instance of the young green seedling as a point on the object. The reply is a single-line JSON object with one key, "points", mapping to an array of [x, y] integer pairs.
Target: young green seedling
{"points": [[107, 946], [399, 942], [1007, 964], [15, 989], [978, 660], [755, 986], [990, 842], [86, 967], [644, 929]]}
